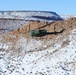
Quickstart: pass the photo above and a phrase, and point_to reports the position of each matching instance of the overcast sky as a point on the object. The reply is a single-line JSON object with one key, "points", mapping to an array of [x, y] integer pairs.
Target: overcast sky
{"points": [[59, 6]]}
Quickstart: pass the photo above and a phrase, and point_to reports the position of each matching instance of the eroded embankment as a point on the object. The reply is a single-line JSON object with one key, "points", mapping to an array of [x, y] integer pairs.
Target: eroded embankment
{"points": [[58, 30]]}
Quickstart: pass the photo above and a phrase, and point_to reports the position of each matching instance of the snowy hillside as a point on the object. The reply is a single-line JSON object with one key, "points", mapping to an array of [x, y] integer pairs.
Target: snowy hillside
{"points": [[22, 54], [29, 15]]}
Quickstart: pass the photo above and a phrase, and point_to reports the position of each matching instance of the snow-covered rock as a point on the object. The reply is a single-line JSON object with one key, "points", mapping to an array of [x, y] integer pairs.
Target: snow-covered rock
{"points": [[28, 15], [57, 59]]}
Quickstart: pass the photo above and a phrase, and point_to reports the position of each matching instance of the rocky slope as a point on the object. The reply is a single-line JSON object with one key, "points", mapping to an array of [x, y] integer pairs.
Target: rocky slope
{"points": [[53, 54]]}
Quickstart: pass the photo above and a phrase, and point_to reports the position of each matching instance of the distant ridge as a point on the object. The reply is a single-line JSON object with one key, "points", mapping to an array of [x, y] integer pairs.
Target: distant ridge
{"points": [[27, 11], [28, 15]]}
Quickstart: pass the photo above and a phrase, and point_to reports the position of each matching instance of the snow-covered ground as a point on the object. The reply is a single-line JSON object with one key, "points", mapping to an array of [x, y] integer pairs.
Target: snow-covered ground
{"points": [[68, 16], [57, 59]]}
